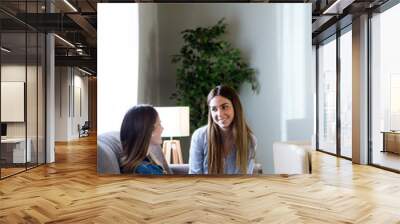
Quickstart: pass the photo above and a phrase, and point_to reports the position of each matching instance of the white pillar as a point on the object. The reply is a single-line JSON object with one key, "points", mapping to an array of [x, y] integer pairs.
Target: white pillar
{"points": [[50, 99], [360, 90]]}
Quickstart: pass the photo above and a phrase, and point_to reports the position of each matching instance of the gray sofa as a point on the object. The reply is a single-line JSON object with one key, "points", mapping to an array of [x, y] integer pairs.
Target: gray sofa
{"points": [[109, 151]]}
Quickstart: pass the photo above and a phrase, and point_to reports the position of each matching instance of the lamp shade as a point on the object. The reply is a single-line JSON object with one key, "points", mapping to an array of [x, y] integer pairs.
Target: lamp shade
{"points": [[175, 121]]}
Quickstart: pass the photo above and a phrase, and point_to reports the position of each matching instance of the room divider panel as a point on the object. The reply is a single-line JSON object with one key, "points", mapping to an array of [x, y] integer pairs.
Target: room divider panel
{"points": [[22, 77]]}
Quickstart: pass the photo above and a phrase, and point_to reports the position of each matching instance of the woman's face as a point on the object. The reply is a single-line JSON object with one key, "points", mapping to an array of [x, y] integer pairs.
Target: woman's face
{"points": [[222, 112], [156, 134]]}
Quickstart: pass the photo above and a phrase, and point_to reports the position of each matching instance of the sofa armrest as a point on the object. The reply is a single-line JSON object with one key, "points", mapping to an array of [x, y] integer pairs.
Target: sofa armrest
{"points": [[291, 158], [108, 147], [179, 168]]}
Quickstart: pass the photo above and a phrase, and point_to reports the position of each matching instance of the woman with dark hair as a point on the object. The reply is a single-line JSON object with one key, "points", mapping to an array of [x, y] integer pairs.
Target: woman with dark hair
{"points": [[226, 145], [141, 127]]}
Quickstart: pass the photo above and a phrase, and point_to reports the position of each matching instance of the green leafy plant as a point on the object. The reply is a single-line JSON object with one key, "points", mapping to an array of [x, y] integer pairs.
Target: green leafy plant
{"points": [[205, 61]]}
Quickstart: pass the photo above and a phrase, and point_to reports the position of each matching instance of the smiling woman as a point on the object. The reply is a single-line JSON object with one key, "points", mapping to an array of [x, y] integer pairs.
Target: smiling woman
{"points": [[226, 145]]}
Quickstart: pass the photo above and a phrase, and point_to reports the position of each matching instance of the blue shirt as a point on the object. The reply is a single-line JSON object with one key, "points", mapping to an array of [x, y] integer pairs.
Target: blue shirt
{"points": [[147, 167], [198, 158]]}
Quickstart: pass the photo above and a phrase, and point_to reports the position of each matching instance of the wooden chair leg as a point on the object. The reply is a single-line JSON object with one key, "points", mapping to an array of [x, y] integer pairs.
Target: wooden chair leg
{"points": [[167, 151], [172, 147], [179, 152]]}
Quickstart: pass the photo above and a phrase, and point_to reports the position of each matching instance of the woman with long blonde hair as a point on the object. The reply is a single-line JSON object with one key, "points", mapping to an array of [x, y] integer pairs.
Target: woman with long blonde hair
{"points": [[226, 145]]}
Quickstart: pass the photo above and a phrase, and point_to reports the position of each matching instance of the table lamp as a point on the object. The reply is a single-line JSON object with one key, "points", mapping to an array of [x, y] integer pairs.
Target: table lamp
{"points": [[175, 121]]}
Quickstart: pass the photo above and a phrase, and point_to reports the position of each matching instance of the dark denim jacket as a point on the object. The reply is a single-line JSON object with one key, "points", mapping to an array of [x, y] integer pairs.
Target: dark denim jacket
{"points": [[148, 167]]}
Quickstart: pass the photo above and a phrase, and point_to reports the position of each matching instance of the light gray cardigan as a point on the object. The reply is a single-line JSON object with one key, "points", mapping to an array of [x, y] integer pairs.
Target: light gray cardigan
{"points": [[198, 158]]}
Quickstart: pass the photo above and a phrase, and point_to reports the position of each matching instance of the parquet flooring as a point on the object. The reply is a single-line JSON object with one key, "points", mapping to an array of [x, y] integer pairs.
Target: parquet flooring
{"points": [[9, 171], [70, 191]]}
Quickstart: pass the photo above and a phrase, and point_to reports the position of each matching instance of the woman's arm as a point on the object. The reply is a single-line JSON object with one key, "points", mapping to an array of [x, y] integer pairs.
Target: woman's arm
{"points": [[196, 156], [252, 155]]}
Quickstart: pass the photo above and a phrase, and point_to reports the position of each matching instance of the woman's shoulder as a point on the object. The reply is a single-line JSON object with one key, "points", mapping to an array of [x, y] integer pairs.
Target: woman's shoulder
{"points": [[200, 132]]}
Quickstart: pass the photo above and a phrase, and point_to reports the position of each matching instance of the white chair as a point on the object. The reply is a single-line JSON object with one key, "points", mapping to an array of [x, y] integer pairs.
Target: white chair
{"points": [[292, 157]]}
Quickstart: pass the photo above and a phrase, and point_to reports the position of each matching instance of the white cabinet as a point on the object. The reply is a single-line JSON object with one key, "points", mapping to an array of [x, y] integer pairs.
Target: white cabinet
{"points": [[17, 146]]}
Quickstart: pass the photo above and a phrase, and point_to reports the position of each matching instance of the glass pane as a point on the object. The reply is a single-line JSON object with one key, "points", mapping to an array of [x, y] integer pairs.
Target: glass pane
{"points": [[31, 101], [41, 99], [14, 153], [327, 97], [386, 89], [23, 89], [346, 94]]}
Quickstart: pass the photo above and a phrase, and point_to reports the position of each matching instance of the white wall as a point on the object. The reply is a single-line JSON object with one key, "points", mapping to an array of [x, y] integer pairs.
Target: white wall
{"points": [[68, 81], [81, 108], [148, 76], [117, 63], [276, 40], [61, 103]]}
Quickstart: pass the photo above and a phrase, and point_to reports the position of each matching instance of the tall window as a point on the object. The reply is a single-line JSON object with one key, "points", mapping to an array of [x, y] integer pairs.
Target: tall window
{"points": [[327, 96], [385, 89], [346, 93]]}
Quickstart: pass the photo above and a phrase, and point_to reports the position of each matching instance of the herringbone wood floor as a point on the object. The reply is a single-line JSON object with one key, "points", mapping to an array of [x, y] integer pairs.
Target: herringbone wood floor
{"points": [[70, 191]]}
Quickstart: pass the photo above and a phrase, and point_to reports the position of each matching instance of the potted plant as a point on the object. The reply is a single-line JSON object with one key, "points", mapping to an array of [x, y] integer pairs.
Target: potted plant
{"points": [[205, 61]]}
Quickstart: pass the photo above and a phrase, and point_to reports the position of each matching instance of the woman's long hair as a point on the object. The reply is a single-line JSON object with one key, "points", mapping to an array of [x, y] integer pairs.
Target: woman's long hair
{"points": [[135, 135], [241, 134]]}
